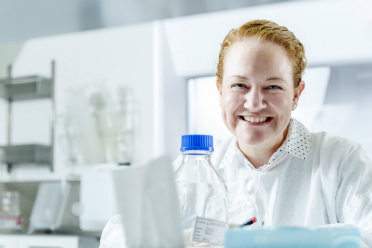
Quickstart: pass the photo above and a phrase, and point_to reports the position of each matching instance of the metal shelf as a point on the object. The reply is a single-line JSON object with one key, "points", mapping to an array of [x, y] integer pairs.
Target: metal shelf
{"points": [[26, 88], [20, 89], [23, 154]]}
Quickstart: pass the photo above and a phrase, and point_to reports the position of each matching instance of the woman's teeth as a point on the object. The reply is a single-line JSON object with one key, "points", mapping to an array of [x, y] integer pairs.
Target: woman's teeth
{"points": [[252, 119]]}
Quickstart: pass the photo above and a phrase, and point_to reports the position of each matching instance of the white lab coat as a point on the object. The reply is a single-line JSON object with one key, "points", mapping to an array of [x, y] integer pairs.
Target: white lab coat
{"points": [[113, 234], [314, 179]]}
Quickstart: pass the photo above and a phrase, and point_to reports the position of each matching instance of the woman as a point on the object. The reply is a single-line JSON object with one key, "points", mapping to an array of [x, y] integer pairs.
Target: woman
{"points": [[292, 176], [274, 168]]}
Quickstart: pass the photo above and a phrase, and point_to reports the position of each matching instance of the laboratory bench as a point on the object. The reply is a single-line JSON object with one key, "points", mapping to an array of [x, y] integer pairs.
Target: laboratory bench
{"points": [[47, 241]]}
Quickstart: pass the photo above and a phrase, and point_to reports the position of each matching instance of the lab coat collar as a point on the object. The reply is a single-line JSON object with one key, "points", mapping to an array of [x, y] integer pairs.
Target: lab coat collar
{"points": [[296, 144], [297, 141]]}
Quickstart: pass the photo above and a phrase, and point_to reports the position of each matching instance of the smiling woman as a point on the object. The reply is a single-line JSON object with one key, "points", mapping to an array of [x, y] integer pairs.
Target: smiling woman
{"points": [[257, 96], [303, 178]]}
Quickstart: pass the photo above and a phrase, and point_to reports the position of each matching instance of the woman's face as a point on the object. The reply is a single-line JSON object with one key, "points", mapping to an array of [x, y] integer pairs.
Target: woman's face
{"points": [[257, 92]]}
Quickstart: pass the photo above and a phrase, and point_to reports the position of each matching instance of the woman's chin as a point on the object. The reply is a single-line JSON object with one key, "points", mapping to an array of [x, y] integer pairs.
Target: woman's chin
{"points": [[251, 141]]}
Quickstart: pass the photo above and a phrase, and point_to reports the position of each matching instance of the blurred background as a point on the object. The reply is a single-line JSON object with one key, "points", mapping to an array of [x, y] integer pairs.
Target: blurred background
{"points": [[88, 86]]}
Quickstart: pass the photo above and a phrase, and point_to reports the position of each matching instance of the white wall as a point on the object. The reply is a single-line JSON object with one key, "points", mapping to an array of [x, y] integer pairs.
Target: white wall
{"points": [[331, 31], [170, 102], [8, 53]]}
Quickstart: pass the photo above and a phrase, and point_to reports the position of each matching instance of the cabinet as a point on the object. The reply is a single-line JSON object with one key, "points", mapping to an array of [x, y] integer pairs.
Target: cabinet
{"points": [[46, 241]]}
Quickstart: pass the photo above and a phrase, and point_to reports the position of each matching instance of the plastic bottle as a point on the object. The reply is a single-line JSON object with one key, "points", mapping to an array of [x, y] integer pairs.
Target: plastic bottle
{"points": [[202, 191]]}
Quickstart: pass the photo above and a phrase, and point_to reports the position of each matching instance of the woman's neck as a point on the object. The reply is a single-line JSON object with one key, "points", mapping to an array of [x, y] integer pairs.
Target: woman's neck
{"points": [[260, 155]]}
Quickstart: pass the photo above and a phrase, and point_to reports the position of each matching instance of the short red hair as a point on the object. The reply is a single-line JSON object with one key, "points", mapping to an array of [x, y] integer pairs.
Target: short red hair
{"points": [[268, 31]]}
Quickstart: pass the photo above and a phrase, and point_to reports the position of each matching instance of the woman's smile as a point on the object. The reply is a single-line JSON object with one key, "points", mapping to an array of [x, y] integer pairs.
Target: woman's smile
{"points": [[255, 121]]}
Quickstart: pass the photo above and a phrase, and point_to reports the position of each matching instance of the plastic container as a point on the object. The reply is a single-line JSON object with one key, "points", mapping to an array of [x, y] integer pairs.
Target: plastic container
{"points": [[293, 237], [202, 191]]}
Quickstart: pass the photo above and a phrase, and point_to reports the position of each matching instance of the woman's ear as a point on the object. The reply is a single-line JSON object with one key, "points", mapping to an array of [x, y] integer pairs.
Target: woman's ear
{"points": [[219, 86], [298, 91]]}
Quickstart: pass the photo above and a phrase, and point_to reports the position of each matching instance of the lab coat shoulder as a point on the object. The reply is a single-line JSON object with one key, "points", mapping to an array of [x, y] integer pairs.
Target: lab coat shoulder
{"points": [[347, 155], [337, 155], [344, 159], [346, 164], [330, 146], [113, 234]]}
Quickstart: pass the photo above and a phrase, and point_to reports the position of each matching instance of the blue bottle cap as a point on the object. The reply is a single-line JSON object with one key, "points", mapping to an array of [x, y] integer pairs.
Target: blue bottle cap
{"points": [[197, 142]]}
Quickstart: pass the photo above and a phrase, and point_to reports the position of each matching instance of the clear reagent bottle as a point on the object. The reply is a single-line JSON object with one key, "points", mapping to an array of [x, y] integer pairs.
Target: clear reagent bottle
{"points": [[202, 191]]}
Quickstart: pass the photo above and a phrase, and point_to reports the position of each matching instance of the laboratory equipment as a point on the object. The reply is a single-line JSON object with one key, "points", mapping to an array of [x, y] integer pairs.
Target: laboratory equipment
{"points": [[10, 214], [201, 190], [53, 206], [113, 117], [293, 237], [97, 126]]}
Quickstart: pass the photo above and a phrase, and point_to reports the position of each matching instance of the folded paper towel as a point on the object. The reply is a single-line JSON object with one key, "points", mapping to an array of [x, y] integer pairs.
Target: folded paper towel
{"points": [[148, 203]]}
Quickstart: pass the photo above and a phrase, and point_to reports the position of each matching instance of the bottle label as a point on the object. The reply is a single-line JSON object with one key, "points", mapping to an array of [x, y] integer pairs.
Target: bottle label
{"points": [[209, 231]]}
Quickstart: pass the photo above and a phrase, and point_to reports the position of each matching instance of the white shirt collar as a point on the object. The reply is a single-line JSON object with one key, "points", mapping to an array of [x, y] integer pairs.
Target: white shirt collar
{"points": [[296, 144], [297, 140]]}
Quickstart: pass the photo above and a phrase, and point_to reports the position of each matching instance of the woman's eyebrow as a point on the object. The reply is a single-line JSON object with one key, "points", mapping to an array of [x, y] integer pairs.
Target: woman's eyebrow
{"points": [[239, 77], [275, 79]]}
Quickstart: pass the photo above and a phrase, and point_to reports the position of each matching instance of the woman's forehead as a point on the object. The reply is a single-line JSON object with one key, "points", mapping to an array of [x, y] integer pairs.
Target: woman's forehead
{"points": [[252, 56], [254, 48]]}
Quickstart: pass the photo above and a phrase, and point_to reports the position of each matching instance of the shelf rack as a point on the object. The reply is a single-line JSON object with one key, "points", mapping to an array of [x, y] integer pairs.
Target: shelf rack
{"points": [[22, 89]]}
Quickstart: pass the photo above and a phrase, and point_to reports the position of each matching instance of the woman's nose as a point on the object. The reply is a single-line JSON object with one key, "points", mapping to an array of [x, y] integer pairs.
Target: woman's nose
{"points": [[254, 100]]}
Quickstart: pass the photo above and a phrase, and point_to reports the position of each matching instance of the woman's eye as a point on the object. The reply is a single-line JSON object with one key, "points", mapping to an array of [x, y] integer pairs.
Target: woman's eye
{"points": [[274, 87], [238, 86]]}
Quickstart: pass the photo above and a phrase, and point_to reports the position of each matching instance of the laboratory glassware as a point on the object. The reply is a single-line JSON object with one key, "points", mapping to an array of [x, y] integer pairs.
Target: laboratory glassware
{"points": [[201, 190], [10, 214]]}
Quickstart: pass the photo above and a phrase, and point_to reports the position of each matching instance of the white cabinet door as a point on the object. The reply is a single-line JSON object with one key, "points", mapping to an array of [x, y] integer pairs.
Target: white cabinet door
{"points": [[7, 241], [42, 241]]}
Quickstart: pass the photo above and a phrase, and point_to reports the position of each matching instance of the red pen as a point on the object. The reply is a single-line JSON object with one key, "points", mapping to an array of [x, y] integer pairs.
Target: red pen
{"points": [[249, 222]]}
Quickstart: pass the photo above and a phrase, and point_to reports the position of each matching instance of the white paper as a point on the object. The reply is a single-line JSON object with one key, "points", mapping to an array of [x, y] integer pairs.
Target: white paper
{"points": [[148, 202], [209, 231]]}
